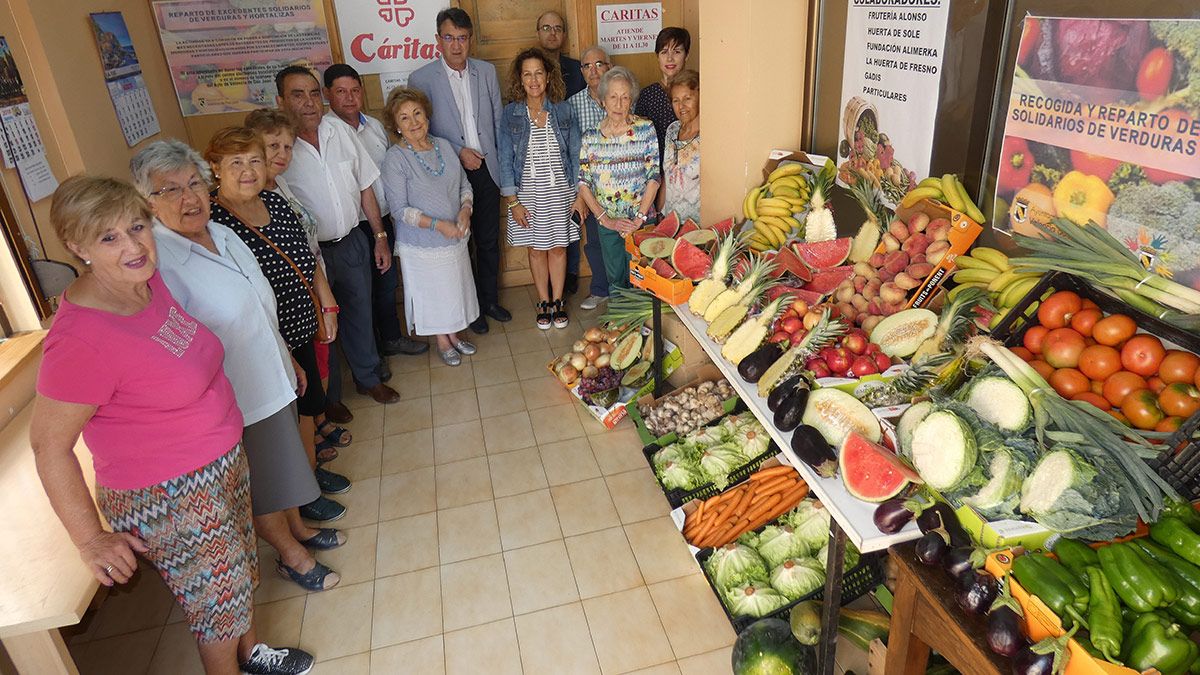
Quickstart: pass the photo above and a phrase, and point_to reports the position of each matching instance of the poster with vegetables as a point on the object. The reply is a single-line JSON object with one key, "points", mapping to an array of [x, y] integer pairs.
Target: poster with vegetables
{"points": [[1103, 127]]}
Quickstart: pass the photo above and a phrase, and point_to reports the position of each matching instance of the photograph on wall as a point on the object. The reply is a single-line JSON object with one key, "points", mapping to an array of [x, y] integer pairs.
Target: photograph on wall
{"points": [[12, 89], [117, 55], [123, 77], [1103, 127], [223, 54], [391, 38]]}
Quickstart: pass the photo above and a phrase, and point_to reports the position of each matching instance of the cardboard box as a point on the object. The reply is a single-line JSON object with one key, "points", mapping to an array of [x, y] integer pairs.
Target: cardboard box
{"points": [[854, 386], [671, 291], [706, 373], [963, 233]]}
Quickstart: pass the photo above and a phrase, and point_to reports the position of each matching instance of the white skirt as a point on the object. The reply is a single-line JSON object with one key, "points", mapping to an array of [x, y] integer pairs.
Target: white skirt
{"points": [[439, 289]]}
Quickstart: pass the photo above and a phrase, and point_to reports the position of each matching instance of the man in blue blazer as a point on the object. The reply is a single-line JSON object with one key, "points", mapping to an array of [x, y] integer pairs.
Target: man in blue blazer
{"points": [[465, 95]]}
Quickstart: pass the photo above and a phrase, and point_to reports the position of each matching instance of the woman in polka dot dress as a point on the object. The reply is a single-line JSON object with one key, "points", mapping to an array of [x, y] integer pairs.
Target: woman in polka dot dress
{"points": [[654, 102]]}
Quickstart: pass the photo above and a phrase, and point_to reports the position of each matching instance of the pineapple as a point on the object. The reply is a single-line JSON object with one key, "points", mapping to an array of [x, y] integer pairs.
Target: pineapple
{"points": [[923, 376], [869, 198], [955, 323], [750, 334], [759, 269], [819, 225], [712, 286], [823, 334]]}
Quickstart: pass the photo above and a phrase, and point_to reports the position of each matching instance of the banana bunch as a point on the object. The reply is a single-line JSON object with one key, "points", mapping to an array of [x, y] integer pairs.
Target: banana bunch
{"points": [[772, 208], [990, 270], [948, 190]]}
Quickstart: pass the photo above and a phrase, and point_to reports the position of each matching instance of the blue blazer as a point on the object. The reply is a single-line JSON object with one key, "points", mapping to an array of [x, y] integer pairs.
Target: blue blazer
{"points": [[514, 143], [485, 97]]}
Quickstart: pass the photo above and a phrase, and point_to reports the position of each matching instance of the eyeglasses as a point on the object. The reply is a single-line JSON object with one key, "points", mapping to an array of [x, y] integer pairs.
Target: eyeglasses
{"points": [[460, 39], [175, 192], [594, 65], [552, 29]]}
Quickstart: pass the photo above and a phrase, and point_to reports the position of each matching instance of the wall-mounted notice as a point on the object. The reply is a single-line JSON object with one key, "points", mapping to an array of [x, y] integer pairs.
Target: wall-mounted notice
{"points": [[12, 92], [628, 29], [28, 151], [123, 76], [389, 36], [224, 54], [890, 83]]}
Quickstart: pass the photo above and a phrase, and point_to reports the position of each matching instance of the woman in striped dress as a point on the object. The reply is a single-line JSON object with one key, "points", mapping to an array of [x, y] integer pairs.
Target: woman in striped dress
{"points": [[539, 150]]}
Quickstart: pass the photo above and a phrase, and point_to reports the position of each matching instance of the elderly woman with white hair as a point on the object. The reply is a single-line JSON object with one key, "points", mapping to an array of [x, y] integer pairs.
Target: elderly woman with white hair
{"points": [[217, 279], [618, 171]]}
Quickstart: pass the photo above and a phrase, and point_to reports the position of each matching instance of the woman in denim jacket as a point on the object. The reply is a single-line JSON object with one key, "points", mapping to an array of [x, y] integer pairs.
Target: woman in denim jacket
{"points": [[539, 164]]}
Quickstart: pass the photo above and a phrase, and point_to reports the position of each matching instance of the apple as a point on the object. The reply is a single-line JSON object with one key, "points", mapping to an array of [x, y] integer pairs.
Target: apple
{"points": [[839, 360], [791, 324], [826, 353], [779, 336], [855, 343], [798, 337], [863, 365], [882, 361], [820, 369]]}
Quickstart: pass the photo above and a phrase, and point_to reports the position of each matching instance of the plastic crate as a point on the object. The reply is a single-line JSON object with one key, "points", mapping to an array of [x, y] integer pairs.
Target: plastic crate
{"points": [[1179, 462]]}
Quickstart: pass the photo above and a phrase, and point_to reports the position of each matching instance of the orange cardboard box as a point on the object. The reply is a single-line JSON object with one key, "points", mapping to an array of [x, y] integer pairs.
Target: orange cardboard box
{"points": [[963, 233]]}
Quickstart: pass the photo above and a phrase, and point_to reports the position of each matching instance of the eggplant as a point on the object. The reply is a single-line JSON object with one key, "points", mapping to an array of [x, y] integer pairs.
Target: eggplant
{"points": [[1004, 631], [790, 412], [930, 548], [958, 561], [812, 449], [781, 392], [892, 515], [1028, 662], [977, 591], [940, 517], [752, 367]]}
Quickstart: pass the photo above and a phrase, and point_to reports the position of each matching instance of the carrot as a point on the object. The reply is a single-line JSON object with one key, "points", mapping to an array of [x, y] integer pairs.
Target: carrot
{"points": [[763, 474], [762, 506], [793, 496], [699, 512], [744, 503], [703, 532], [769, 487]]}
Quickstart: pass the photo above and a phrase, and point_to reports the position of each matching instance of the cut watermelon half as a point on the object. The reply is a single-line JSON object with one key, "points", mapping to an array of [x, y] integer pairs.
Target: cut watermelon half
{"points": [[778, 270], [663, 269], [790, 262], [824, 281], [689, 225], [723, 227], [690, 260], [642, 235], [740, 267], [668, 226], [824, 254], [870, 471], [786, 289]]}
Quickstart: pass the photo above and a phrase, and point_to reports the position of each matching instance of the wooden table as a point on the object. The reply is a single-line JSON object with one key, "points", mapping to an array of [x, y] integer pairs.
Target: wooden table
{"points": [[926, 616]]}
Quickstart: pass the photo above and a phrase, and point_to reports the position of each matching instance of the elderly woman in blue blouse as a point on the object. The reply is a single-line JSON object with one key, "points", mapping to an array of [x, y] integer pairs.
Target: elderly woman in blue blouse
{"points": [[426, 185], [539, 163]]}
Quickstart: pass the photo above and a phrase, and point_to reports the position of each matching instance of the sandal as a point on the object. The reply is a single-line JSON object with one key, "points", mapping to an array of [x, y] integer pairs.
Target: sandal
{"points": [[325, 451], [325, 539], [338, 437], [313, 580], [560, 314], [544, 315]]}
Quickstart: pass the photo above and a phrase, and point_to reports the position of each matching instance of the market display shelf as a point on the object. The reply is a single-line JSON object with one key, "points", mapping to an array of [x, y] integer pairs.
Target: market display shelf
{"points": [[853, 515]]}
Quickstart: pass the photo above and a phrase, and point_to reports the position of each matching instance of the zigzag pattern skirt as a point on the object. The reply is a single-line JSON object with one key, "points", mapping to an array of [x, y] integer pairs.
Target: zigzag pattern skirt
{"points": [[201, 541]]}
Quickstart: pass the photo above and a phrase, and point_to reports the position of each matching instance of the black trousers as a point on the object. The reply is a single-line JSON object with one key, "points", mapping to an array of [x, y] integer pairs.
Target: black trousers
{"points": [[383, 287], [485, 235]]}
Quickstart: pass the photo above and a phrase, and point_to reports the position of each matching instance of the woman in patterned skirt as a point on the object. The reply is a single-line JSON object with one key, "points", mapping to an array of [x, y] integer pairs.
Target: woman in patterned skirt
{"points": [[681, 150], [125, 365], [539, 153]]}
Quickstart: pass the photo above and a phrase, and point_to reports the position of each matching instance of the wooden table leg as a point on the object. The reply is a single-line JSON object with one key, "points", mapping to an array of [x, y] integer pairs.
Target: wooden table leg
{"points": [[906, 653], [40, 653]]}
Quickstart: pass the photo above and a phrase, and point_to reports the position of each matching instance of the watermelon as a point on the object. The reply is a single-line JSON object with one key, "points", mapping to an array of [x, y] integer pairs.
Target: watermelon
{"points": [[642, 235], [668, 226], [690, 260], [723, 227], [778, 269], [689, 225], [803, 294], [792, 263], [663, 269], [825, 280], [870, 471], [824, 254]]}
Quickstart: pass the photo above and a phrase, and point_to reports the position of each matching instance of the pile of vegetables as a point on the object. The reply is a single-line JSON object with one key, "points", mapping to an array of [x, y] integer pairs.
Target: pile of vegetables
{"points": [[767, 494], [709, 454], [688, 409]]}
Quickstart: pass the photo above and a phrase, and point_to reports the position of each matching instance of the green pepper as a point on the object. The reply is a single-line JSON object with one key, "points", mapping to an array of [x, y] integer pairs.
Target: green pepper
{"points": [[1104, 615], [1183, 576], [1074, 583], [1155, 642], [1177, 536], [1184, 511], [1076, 556], [1140, 586], [1043, 581]]}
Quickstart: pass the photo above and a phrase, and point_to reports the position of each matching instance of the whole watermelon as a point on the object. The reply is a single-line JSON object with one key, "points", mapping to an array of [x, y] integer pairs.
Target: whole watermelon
{"points": [[767, 647]]}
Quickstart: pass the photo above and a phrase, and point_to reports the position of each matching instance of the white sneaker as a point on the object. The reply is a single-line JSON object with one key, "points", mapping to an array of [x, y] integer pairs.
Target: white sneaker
{"points": [[592, 302]]}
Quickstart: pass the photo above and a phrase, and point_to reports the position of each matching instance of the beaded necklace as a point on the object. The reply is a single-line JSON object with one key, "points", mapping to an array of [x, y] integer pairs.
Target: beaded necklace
{"points": [[421, 160]]}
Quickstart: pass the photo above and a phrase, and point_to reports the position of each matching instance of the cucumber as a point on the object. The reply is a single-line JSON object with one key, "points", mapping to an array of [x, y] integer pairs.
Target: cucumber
{"points": [[1000, 401]]}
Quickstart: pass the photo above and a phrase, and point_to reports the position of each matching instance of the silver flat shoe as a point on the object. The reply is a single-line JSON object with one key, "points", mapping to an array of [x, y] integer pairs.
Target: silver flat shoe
{"points": [[450, 357], [465, 348]]}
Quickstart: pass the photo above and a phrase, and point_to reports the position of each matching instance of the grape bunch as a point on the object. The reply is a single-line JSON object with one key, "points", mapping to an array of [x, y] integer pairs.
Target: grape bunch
{"points": [[605, 379]]}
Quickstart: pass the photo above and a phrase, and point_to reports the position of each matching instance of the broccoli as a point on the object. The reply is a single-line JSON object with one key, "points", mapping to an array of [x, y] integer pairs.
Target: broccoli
{"points": [[1046, 175], [1182, 38], [1169, 208], [1125, 175]]}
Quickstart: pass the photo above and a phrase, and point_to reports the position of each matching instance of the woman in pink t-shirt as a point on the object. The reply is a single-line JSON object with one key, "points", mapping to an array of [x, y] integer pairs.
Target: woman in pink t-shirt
{"points": [[142, 381]]}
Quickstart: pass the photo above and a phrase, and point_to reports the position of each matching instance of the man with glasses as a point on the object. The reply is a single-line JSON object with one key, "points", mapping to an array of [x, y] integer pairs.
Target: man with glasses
{"points": [[466, 112], [589, 112], [331, 173]]}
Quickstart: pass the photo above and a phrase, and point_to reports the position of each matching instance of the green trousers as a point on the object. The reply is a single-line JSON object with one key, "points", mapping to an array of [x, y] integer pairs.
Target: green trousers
{"points": [[616, 258]]}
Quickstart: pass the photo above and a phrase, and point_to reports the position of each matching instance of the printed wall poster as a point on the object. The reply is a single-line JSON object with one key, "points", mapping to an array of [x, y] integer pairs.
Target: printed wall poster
{"points": [[389, 36], [1103, 127], [12, 90], [890, 83], [629, 29], [224, 54], [123, 77]]}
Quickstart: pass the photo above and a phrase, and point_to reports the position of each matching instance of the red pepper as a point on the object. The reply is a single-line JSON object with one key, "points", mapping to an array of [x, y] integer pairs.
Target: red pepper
{"points": [[1016, 165]]}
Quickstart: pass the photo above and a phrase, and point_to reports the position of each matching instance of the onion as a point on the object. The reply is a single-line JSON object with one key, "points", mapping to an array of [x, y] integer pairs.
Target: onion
{"points": [[602, 360], [568, 374], [578, 361], [612, 335], [606, 347], [579, 346], [593, 334], [591, 351], [590, 371]]}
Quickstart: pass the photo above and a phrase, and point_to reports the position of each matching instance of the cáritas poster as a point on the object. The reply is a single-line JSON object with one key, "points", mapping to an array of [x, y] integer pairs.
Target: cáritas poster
{"points": [[1103, 126]]}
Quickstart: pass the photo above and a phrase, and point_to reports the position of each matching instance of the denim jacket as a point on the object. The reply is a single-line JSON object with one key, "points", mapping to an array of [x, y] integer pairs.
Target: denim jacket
{"points": [[514, 142]]}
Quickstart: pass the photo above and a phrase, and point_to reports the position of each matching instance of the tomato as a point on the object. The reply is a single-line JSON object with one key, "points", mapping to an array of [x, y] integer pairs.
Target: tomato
{"points": [[1155, 384], [1095, 399], [1154, 75], [1044, 369], [1178, 366], [1180, 399], [1088, 303], [1113, 330], [1097, 387], [1116, 414], [1062, 348], [1056, 311], [1142, 354], [1119, 384], [1099, 361], [1034, 337], [1097, 165], [1084, 320], [1142, 409], [1069, 382], [1022, 352], [1169, 424]]}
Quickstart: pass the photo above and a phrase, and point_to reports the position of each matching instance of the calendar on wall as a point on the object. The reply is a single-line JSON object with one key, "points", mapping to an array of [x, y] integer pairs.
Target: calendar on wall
{"points": [[25, 149], [123, 75]]}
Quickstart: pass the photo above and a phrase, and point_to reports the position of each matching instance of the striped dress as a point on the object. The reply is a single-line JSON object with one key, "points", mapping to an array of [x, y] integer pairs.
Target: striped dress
{"points": [[546, 194]]}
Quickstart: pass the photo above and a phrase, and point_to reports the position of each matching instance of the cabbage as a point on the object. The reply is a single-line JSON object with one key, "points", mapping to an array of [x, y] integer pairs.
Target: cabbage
{"points": [[797, 577], [1070, 495], [675, 452], [706, 436], [810, 519], [732, 423], [752, 439], [999, 497], [679, 476], [735, 564], [719, 461], [848, 563], [778, 543], [750, 539], [754, 599]]}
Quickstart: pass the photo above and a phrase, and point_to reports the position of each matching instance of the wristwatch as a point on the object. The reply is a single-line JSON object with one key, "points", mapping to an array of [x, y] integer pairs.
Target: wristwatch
{"points": [[381, 235]]}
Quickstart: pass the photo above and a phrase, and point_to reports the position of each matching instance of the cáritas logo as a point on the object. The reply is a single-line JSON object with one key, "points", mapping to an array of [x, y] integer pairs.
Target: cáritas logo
{"points": [[395, 11]]}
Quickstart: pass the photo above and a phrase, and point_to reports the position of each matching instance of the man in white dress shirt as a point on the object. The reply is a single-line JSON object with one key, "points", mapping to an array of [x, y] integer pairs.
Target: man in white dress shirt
{"points": [[343, 90], [331, 173]]}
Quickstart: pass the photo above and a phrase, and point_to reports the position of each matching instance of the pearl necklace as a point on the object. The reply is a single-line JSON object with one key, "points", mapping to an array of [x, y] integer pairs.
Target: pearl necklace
{"points": [[421, 160]]}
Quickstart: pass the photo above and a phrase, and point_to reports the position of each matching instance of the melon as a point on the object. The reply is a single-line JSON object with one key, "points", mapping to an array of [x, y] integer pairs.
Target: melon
{"points": [[668, 226], [823, 254], [700, 238], [663, 269], [835, 414], [903, 332], [689, 225], [792, 263], [826, 280], [627, 350], [637, 375], [690, 260], [870, 471], [657, 247], [723, 227], [642, 235]]}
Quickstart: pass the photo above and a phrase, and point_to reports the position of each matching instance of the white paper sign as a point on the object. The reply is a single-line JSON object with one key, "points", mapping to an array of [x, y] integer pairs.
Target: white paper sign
{"points": [[389, 81], [388, 36], [628, 29], [890, 82]]}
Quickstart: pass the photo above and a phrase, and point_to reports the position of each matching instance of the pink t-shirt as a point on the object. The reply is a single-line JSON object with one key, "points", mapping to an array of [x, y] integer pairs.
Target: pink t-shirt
{"points": [[163, 404]]}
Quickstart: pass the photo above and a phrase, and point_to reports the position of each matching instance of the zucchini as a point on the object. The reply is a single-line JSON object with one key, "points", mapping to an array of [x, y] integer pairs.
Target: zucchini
{"points": [[943, 450], [1000, 401]]}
